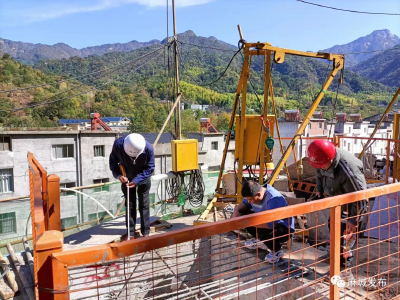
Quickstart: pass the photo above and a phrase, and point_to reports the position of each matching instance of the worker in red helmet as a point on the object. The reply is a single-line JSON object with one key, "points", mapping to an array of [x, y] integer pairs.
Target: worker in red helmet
{"points": [[339, 172]]}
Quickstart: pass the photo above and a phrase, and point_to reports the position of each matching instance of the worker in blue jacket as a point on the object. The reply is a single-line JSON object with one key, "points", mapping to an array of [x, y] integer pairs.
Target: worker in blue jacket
{"points": [[136, 156], [269, 236]]}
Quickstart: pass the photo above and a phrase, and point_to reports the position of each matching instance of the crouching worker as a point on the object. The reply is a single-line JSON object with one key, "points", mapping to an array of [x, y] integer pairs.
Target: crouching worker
{"points": [[269, 236]]}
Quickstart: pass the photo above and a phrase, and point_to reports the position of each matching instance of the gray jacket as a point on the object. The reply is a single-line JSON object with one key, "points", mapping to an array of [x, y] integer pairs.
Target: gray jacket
{"points": [[346, 175]]}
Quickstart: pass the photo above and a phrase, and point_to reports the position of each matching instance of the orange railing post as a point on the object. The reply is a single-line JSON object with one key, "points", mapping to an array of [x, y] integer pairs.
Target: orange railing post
{"points": [[46, 225], [335, 250], [53, 188], [50, 242], [387, 161], [395, 154], [60, 282]]}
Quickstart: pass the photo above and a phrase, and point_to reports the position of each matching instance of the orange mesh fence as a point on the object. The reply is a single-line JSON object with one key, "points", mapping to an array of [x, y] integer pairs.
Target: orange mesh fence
{"points": [[214, 261]]}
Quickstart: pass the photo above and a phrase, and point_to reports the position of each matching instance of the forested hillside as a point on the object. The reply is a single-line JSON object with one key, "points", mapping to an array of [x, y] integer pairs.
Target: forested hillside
{"points": [[298, 79], [383, 67], [131, 85]]}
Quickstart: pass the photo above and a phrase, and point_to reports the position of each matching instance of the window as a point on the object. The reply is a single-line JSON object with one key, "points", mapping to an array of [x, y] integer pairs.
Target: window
{"points": [[344, 143], [105, 188], [365, 130], [5, 143], [355, 141], [67, 185], [102, 214], [320, 125], [63, 151], [309, 125], [348, 146], [99, 151], [350, 130], [214, 145], [8, 223], [68, 222], [6, 181]]}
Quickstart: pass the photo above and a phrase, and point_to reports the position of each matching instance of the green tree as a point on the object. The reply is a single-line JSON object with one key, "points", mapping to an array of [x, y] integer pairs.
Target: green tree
{"points": [[223, 121], [189, 123]]}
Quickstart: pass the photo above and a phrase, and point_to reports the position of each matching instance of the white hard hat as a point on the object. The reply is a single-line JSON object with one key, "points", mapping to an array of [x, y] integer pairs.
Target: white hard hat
{"points": [[134, 144]]}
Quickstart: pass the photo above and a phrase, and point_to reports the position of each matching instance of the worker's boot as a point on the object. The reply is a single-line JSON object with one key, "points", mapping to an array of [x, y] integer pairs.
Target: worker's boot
{"points": [[274, 257]]}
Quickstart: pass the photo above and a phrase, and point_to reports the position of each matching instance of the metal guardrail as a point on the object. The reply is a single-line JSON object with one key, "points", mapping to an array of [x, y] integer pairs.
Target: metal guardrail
{"points": [[200, 255]]}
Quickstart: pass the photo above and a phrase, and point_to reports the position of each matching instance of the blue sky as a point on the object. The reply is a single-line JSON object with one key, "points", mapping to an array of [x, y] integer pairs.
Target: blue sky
{"points": [[284, 23]]}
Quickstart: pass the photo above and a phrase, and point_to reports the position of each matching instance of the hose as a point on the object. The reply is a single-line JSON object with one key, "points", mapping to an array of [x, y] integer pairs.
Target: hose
{"points": [[78, 192]]}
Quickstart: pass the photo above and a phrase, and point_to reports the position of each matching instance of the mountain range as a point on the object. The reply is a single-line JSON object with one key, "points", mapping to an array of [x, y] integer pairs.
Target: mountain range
{"points": [[376, 41], [366, 48], [384, 67], [30, 53], [118, 78]]}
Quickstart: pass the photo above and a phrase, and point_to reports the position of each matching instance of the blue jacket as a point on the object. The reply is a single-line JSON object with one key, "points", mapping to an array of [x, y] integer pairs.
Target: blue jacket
{"points": [[137, 173], [272, 199]]}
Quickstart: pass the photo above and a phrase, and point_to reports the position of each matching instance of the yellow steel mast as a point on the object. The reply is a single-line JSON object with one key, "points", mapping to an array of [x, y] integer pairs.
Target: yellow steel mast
{"points": [[242, 135]]}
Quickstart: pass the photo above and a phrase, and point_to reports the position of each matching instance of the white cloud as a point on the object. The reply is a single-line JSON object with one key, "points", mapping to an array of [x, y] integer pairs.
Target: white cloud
{"points": [[57, 11]]}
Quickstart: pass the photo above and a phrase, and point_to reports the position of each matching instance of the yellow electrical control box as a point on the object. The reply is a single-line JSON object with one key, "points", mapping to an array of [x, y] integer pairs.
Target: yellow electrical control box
{"points": [[185, 155], [253, 137]]}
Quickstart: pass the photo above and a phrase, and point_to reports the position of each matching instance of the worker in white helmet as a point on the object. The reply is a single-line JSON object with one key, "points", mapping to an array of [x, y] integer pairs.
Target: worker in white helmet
{"points": [[136, 156]]}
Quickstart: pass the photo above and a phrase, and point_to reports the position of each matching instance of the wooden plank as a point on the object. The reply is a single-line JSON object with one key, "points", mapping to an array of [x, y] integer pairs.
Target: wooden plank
{"points": [[206, 212], [300, 232], [219, 204], [10, 275], [5, 291], [199, 222], [120, 207], [22, 276]]}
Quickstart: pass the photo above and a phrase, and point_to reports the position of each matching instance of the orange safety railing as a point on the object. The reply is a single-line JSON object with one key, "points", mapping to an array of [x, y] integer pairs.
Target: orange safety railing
{"points": [[45, 216], [212, 261]]}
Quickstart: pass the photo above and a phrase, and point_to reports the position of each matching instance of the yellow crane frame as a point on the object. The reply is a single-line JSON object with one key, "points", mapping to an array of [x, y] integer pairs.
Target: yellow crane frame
{"points": [[266, 50]]}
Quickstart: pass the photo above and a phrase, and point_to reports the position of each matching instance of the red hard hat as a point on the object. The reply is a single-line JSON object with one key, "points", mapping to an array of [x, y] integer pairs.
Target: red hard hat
{"points": [[321, 152]]}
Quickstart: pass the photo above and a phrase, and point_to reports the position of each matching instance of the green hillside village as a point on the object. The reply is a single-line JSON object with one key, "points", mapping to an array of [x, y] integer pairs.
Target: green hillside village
{"points": [[118, 91]]}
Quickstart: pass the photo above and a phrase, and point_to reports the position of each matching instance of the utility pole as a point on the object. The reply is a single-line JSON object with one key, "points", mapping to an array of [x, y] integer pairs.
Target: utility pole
{"points": [[178, 107]]}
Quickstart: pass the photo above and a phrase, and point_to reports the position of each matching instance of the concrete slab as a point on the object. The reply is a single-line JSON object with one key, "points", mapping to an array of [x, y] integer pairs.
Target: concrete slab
{"points": [[112, 230]]}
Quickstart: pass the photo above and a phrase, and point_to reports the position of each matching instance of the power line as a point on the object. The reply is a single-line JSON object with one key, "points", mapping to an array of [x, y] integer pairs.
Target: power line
{"points": [[348, 10], [214, 81], [79, 94], [207, 47], [87, 74]]}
